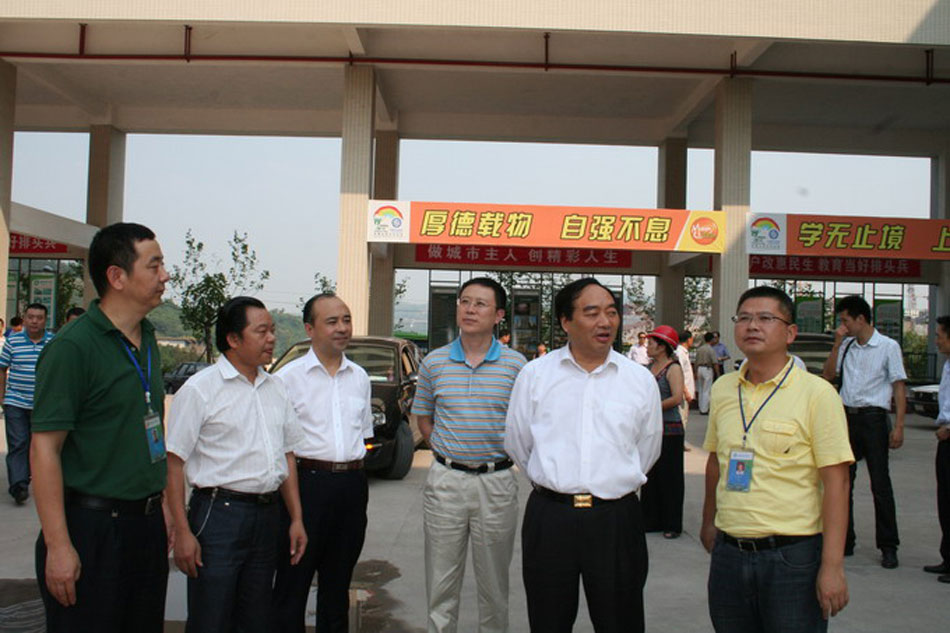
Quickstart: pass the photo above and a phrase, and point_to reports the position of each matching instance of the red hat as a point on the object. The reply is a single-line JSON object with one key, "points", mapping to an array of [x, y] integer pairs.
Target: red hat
{"points": [[666, 334]]}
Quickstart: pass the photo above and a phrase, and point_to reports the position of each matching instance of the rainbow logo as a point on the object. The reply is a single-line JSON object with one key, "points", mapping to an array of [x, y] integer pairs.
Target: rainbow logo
{"points": [[765, 228], [388, 216]]}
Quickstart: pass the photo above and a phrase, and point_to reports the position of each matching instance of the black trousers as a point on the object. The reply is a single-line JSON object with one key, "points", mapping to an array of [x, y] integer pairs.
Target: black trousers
{"points": [[869, 434], [334, 515], [124, 574], [603, 545], [661, 497], [943, 497]]}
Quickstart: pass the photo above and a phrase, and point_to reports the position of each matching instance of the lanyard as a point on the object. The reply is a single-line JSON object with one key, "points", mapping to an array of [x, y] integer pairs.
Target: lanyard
{"points": [[146, 381], [746, 426]]}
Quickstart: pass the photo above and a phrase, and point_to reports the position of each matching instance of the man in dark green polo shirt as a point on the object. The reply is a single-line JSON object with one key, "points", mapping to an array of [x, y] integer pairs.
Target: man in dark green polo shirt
{"points": [[98, 450]]}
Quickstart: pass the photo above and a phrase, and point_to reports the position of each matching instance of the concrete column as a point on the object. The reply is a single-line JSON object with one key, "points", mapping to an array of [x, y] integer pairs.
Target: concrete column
{"points": [[7, 111], [356, 177], [671, 194], [106, 186], [939, 304], [382, 270], [732, 186]]}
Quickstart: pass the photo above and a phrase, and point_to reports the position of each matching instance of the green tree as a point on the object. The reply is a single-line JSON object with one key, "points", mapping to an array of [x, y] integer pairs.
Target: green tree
{"points": [[697, 299], [203, 289], [69, 288]]}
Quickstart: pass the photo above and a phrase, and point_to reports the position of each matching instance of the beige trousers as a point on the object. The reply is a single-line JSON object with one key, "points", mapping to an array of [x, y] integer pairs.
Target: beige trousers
{"points": [[458, 505]]}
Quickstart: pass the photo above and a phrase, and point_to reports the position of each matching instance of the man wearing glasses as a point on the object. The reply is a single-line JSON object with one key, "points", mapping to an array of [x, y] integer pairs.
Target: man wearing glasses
{"points": [[460, 405], [775, 511]]}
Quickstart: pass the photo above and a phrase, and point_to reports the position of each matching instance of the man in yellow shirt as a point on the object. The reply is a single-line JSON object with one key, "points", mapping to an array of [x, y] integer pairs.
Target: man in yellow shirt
{"points": [[776, 506]]}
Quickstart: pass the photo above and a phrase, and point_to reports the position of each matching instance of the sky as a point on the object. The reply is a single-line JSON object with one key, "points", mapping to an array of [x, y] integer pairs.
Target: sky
{"points": [[284, 192]]}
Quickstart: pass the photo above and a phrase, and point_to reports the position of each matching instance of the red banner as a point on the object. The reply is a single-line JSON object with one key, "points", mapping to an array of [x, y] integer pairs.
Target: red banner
{"points": [[27, 245], [812, 266], [516, 256], [868, 237]]}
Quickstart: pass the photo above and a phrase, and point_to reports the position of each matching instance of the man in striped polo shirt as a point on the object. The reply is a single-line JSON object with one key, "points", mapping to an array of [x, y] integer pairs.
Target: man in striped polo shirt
{"points": [[460, 405], [17, 379]]}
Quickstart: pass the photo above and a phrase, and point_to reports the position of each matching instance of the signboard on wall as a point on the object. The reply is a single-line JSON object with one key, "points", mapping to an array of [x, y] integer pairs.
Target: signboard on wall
{"points": [[28, 245], [804, 266], [535, 226], [43, 290], [888, 318], [514, 256], [809, 313], [847, 236]]}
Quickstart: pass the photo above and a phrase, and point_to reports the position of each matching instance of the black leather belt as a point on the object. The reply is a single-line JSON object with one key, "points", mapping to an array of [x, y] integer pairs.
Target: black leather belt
{"points": [[118, 507], [265, 498], [492, 467], [764, 543], [863, 410], [333, 467], [580, 500]]}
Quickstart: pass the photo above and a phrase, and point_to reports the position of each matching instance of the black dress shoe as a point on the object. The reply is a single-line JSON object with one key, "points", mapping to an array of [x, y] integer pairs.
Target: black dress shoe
{"points": [[21, 495], [945, 578], [849, 550], [942, 568], [889, 558]]}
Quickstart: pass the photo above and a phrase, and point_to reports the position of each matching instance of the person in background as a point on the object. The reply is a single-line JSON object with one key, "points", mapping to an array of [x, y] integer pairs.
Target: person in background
{"points": [[638, 353], [16, 325], [504, 337], [74, 313], [662, 495], [871, 367], [17, 382], [541, 350], [722, 353], [943, 453], [707, 370], [689, 382]]}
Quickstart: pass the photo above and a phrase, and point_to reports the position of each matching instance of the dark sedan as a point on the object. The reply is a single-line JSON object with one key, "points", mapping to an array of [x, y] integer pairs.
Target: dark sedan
{"points": [[391, 364], [177, 377]]}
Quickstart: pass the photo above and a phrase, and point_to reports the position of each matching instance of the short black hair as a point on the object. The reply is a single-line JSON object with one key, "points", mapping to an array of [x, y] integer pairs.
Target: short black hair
{"points": [[709, 336], [114, 245], [944, 322], [564, 300], [15, 321], [37, 306], [785, 303], [232, 319], [664, 345], [855, 306], [684, 335], [308, 307], [501, 297], [75, 311]]}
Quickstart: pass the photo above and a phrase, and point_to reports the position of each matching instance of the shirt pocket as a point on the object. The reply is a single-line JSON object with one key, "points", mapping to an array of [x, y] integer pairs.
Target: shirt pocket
{"points": [[777, 438], [618, 424], [354, 412]]}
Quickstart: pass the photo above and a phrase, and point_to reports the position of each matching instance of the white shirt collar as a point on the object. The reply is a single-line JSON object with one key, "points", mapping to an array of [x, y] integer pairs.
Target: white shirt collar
{"points": [[311, 361], [229, 372], [568, 356]]}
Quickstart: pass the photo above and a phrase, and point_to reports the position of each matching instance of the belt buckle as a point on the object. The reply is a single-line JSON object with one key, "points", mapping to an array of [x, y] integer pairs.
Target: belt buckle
{"points": [[263, 499], [151, 502], [339, 467], [747, 545], [584, 501]]}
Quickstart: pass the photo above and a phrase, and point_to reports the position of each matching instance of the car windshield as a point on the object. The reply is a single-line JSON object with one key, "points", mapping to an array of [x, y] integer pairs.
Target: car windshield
{"points": [[378, 361]]}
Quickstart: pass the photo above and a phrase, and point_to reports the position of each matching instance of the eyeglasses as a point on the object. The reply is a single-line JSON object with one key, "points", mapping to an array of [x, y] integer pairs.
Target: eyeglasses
{"points": [[762, 318], [478, 304]]}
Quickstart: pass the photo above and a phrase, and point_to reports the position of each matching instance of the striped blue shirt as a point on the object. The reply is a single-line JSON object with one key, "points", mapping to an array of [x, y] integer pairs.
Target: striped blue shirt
{"points": [[468, 405], [19, 357]]}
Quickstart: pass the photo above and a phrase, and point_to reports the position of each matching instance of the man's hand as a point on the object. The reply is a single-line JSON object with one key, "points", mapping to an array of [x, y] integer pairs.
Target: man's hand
{"points": [[298, 541], [832, 589], [897, 437], [707, 536], [840, 332], [62, 572], [169, 525], [943, 432], [187, 552]]}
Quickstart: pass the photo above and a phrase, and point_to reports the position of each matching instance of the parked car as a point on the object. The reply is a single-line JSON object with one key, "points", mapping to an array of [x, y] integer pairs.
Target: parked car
{"points": [[392, 364], [923, 400], [175, 378]]}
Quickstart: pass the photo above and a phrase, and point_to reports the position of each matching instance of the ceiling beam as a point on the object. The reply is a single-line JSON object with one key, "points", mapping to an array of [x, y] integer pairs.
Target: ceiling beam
{"points": [[98, 110]]}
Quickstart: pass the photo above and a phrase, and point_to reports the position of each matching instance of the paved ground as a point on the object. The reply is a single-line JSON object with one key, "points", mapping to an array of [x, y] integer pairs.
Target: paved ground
{"points": [[390, 574]]}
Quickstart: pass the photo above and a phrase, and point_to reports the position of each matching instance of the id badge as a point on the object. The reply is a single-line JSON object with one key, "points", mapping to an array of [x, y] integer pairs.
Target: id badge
{"points": [[739, 475], [155, 434]]}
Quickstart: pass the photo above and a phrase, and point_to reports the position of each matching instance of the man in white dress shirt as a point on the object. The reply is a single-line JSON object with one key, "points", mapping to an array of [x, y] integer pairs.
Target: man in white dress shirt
{"points": [[585, 425], [689, 380], [332, 397], [638, 352], [871, 368], [231, 433]]}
